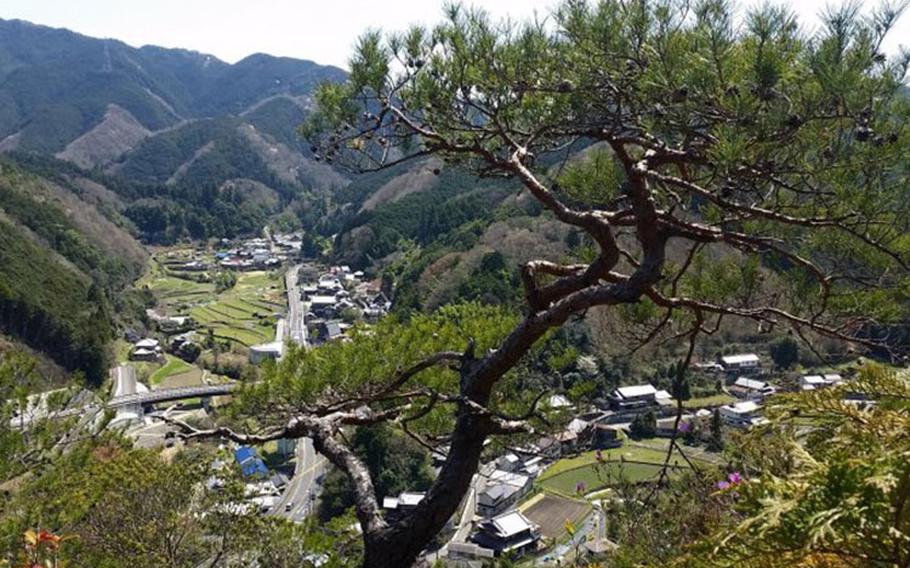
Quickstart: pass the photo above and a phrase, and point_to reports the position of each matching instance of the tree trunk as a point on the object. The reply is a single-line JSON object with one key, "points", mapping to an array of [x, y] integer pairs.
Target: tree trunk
{"points": [[399, 544]]}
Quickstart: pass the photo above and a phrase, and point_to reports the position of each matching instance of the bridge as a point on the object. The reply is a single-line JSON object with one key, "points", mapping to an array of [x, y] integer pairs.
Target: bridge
{"points": [[165, 395]]}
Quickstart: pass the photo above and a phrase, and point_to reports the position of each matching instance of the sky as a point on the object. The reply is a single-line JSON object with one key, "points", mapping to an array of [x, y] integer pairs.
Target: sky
{"points": [[323, 31]]}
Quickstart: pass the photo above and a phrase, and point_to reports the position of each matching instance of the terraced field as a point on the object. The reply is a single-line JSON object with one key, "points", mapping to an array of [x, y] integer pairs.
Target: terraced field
{"points": [[246, 314]]}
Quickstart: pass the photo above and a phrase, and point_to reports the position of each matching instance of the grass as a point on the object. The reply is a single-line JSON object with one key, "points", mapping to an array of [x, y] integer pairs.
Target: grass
{"points": [[636, 461], [174, 366], [597, 476], [632, 453]]}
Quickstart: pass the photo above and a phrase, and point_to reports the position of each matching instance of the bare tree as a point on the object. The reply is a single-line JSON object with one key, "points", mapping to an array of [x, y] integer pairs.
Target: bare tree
{"points": [[781, 155]]}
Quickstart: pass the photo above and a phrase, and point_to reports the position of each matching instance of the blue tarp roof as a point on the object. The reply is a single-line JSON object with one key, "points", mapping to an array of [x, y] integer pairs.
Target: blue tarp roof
{"points": [[250, 463]]}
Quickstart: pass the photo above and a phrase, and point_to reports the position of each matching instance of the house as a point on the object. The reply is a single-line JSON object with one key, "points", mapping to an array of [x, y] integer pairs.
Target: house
{"points": [[532, 467], [752, 389], [146, 350], [741, 362], [147, 343], [273, 350], [508, 462], [547, 446], [665, 426], [605, 437], [405, 501], [329, 331], [502, 490], [251, 465], [813, 382], [634, 397], [664, 399], [144, 355], [511, 532], [742, 414]]}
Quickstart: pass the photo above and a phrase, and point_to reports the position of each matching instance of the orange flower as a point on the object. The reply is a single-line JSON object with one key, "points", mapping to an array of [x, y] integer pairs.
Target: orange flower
{"points": [[52, 540]]}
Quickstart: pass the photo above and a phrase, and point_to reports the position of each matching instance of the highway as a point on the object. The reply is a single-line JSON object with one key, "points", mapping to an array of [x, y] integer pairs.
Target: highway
{"points": [[124, 381], [297, 308], [302, 488]]}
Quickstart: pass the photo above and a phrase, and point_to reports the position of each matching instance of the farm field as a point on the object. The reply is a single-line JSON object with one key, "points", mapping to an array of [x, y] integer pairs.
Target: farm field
{"points": [[245, 314], [550, 513], [174, 366], [634, 462]]}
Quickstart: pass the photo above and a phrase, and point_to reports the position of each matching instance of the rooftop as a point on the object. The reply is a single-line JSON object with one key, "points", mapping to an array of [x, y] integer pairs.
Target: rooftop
{"points": [[510, 524], [636, 391], [750, 384], [739, 359], [744, 407]]}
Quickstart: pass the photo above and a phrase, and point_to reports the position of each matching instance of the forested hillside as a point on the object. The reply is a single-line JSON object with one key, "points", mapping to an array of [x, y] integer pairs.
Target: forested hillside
{"points": [[66, 257]]}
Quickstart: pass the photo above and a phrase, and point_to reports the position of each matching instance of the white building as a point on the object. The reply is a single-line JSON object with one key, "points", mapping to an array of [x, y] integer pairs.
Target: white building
{"points": [[638, 396], [813, 382], [752, 389], [512, 532], [742, 414], [273, 350], [744, 361]]}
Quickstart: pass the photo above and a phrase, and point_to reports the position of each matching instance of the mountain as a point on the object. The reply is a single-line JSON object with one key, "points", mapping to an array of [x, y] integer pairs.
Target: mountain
{"points": [[67, 256], [56, 85], [199, 147]]}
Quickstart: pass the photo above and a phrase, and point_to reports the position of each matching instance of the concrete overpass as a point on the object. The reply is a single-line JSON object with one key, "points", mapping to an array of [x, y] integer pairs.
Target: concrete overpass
{"points": [[166, 395]]}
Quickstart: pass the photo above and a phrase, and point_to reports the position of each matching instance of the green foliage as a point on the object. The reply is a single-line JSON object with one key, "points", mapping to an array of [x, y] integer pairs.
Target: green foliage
{"points": [[225, 280], [785, 352], [373, 356], [396, 463], [48, 305], [644, 425], [25, 438], [121, 507], [828, 491]]}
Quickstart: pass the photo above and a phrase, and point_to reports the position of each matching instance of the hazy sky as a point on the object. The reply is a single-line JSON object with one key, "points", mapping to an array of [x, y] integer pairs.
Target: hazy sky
{"points": [[323, 31]]}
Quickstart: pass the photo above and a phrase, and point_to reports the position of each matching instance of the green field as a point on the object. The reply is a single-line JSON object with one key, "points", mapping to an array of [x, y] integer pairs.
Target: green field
{"points": [[633, 462], [244, 314], [174, 366]]}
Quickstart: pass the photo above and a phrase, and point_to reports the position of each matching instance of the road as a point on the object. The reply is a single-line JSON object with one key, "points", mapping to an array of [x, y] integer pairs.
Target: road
{"points": [[302, 488], [297, 309], [124, 380]]}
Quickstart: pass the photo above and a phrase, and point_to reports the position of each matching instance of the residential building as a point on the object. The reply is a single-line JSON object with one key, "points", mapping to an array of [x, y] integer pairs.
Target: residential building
{"points": [[741, 362], [633, 397], [605, 437], [742, 414], [501, 491], [405, 501], [813, 382], [751, 388], [251, 465], [511, 532]]}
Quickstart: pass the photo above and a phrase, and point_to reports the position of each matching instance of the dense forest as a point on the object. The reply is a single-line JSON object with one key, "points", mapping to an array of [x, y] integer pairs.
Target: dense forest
{"points": [[64, 269]]}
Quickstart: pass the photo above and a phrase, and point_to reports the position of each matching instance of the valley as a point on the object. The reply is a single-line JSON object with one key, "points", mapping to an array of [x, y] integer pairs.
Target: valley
{"points": [[629, 288]]}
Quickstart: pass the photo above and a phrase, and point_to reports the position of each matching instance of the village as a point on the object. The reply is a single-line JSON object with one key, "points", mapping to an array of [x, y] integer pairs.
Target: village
{"points": [[223, 310], [522, 498]]}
